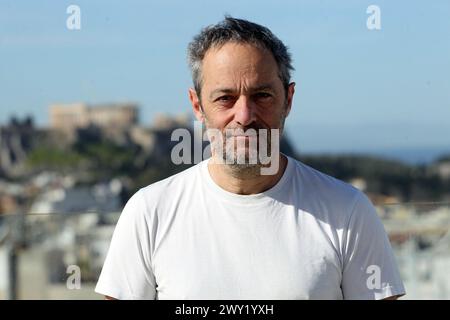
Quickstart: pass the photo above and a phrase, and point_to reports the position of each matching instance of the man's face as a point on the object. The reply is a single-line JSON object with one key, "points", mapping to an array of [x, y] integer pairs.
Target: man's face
{"points": [[241, 89]]}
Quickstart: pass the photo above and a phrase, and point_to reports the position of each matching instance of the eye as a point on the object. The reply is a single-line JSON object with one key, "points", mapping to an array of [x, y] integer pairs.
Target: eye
{"points": [[262, 95], [224, 99]]}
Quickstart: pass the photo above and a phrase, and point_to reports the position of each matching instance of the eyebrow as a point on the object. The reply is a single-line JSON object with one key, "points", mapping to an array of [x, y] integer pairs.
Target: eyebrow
{"points": [[229, 90]]}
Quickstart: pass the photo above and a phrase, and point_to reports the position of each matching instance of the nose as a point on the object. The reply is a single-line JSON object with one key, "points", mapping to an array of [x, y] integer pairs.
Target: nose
{"points": [[244, 111]]}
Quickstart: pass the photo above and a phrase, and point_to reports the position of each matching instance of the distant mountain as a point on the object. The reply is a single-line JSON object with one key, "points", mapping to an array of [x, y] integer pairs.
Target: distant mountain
{"points": [[416, 155], [412, 156]]}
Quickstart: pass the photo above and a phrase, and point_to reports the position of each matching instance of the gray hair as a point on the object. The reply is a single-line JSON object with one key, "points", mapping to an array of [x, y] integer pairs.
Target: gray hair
{"points": [[240, 31]]}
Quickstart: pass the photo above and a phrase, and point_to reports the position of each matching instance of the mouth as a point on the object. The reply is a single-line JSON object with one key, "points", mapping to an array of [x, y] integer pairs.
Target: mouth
{"points": [[245, 135], [243, 140]]}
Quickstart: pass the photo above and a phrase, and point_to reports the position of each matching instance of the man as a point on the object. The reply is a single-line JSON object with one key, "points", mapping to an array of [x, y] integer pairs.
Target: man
{"points": [[222, 229]]}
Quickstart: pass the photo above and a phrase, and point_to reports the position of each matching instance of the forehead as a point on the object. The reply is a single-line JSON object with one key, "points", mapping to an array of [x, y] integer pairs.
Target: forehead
{"points": [[234, 63]]}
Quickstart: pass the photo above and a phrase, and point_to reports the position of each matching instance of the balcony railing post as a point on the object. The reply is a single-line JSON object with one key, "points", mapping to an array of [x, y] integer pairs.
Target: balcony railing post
{"points": [[12, 272]]}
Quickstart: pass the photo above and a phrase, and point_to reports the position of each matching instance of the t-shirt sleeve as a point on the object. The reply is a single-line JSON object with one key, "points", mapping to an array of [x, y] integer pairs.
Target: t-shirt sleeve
{"points": [[370, 270], [127, 272]]}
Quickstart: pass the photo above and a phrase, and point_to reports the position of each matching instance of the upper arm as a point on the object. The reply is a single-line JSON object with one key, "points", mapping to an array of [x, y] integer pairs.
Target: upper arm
{"points": [[370, 270], [127, 271]]}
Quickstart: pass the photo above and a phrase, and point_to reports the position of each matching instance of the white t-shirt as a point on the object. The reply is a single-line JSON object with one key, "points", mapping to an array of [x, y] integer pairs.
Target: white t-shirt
{"points": [[310, 236]]}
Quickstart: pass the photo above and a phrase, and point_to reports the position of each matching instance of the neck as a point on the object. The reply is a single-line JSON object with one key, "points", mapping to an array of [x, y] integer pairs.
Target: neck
{"points": [[225, 178]]}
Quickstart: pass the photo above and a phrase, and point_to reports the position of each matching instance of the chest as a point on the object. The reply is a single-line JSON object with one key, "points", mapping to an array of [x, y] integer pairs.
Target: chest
{"points": [[266, 257]]}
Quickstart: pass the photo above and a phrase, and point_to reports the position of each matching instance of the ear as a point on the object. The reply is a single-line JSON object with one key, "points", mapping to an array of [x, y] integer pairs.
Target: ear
{"points": [[290, 97], [196, 105]]}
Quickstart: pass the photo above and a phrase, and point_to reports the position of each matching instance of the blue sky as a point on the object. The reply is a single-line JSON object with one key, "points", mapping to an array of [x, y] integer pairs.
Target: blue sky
{"points": [[357, 89]]}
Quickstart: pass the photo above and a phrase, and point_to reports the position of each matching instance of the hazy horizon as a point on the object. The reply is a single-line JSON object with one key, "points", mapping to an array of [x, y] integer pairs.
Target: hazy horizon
{"points": [[356, 89]]}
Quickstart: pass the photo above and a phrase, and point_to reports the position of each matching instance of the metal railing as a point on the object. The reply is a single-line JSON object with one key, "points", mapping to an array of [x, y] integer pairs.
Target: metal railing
{"points": [[40, 254]]}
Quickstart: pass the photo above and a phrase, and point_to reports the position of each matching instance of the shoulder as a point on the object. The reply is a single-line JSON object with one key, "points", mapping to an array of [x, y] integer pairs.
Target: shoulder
{"points": [[148, 208], [156, 197], [327, 196], [173, 185], [323, 185]]}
